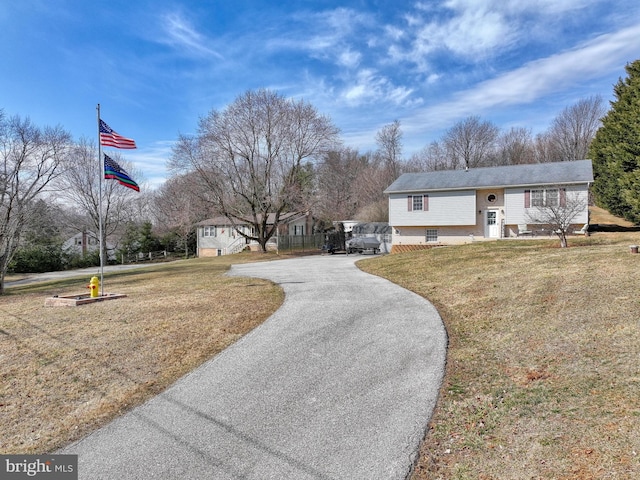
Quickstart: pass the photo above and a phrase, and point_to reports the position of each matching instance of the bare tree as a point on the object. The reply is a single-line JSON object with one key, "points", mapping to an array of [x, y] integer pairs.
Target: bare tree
{"points": [[545, 149], [515, 147], [574, 128], [252, 157], [350, 185], [30, 159], [336, 188], [471, 143], [371, 181], [80, 186], [389, 141], [557, 210], [178, 206], [430, 159]]}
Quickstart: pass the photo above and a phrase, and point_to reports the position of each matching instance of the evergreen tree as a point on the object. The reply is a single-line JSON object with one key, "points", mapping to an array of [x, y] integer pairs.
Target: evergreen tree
{"points": [[615, 150], [147, 240]]}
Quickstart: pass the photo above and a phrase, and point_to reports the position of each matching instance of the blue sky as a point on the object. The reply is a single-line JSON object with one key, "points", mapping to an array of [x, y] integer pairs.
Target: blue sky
{"points": [[156, 67]]}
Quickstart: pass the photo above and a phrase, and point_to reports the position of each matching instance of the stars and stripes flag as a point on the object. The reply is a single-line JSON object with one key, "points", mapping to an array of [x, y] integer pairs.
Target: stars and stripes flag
{"points": [[115, 172], [110, 138]]}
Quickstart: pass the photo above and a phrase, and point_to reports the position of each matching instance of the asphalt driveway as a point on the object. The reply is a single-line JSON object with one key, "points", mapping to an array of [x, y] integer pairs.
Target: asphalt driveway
{"points": [[338, 384]]}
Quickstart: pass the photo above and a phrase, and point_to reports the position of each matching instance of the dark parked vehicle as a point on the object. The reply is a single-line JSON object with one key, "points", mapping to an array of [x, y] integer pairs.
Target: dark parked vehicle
{"points": [[360, 244], [329, 248]]}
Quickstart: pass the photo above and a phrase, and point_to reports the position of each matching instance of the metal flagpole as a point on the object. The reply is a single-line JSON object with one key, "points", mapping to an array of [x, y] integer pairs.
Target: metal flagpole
{"points": [[100, 175]]}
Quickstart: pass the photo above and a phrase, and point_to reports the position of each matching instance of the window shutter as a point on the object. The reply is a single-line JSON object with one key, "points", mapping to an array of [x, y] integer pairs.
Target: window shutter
{"points": [[410, 203], [425, 203], [563, 197], [527, 198]]}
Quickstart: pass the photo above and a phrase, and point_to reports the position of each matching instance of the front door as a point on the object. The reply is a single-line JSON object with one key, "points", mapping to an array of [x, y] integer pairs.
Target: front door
{"points": [[491, 224]]}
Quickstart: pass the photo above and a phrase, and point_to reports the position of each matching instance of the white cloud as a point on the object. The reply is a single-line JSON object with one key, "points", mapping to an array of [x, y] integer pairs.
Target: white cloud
{"points": [[181, 34], [322, 30], [524, 85], [369, 87], [551, 7], [349, 58], [433, 78], [355, 93], [401, 96], [413, 20], [472, 33], [342, 20], [473, 30], [152, 160], [464, 33], [394, 33], [366, 86], [336, 38], [540, 7], [562, 70]]}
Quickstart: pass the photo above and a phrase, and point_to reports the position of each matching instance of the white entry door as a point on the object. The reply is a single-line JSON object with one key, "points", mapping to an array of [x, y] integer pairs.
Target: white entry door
{"points": [[491, 224]]}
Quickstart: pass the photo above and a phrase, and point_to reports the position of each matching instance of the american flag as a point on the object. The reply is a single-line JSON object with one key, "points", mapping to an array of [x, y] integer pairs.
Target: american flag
{"points": [[114, 171], [109, 138]]}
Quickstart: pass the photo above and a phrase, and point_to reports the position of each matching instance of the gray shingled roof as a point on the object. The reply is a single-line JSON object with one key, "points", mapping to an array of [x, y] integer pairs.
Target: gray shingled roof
{"points": [[579, 171]]}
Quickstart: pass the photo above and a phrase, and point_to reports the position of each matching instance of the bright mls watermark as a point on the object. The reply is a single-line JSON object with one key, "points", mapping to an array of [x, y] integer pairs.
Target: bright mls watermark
{"points": [[49, 467]]}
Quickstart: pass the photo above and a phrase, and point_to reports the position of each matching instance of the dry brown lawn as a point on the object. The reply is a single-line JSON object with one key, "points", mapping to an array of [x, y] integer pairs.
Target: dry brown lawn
{"points": [[543, 368], [601, 216], [67, 370]]}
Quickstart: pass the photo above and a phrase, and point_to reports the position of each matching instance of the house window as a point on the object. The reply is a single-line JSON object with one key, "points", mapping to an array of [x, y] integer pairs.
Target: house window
{"points": [[551, 197], [432, 235], [418, 203], [544, 198], [298, 229], [208, 231]]}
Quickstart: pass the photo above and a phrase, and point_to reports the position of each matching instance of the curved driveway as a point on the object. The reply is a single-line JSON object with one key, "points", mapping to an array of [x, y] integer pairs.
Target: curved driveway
{"points": [[339, 383]]}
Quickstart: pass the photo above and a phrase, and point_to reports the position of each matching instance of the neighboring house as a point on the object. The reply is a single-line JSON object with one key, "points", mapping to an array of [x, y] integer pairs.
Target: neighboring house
{"points": [[217, 236], [459, 206], [85, 243], [82, 243]]}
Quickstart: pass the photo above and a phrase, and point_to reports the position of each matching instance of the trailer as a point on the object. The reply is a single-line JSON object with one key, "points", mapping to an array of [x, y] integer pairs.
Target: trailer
{"points": [[362, 244]]}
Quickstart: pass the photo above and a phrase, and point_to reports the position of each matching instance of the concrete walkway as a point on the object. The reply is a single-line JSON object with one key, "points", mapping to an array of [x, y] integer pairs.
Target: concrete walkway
{"points": [[338, 384]]}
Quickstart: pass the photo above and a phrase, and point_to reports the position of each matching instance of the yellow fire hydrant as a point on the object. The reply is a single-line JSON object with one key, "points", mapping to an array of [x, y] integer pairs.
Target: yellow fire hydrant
{"points": [[93, 287]]}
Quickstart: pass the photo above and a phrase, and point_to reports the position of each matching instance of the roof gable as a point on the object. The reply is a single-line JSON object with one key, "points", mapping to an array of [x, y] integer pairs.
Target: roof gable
{"points": [[579, 171]]}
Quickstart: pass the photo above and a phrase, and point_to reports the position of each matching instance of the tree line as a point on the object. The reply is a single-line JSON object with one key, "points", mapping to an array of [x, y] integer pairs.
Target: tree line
{"points": [[266, 155], [244, 177]]}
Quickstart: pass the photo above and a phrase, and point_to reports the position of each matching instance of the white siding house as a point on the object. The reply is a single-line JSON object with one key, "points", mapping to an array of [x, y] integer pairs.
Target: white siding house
{"points": [[459, 206], [218, 236], [85, 243], [82, 243]]}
